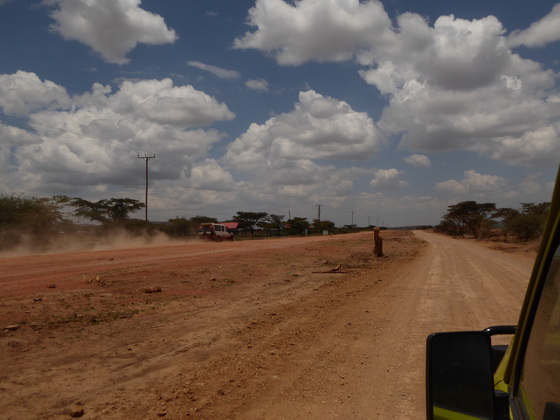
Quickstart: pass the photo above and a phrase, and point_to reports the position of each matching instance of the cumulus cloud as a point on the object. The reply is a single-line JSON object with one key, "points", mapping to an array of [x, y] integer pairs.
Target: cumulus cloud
{"points": [[24, 92], [209, 175], [539, 33], [318, 128], [473, 183], [216, 71], [97, 135], [418, 160], [161, 102], [112, 28], [387, 179], [291, 155], [453, 85], [436, 106], [315, 30], [534, 148], [257, 84], [530, 185]]}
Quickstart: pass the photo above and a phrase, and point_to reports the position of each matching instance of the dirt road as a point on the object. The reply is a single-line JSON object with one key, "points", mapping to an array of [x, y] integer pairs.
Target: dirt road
{"points": [[300, 328]]}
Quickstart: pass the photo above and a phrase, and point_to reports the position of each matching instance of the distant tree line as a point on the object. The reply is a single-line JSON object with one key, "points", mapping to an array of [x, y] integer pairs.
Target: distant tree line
{"points": [[38, 222], [482, 220], [251, 224]]}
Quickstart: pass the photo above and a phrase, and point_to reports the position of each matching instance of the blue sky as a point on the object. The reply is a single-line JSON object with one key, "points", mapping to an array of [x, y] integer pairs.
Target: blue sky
{"points": [[380, 112]]}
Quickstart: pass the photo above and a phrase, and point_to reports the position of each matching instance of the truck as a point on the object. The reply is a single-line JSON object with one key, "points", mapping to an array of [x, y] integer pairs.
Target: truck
{"points": [[214, 232], [470, 376]]}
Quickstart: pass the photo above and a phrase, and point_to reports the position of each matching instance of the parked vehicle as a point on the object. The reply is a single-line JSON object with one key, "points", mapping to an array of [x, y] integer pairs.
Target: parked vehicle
{"points": [[469, 378], [214, 232]]}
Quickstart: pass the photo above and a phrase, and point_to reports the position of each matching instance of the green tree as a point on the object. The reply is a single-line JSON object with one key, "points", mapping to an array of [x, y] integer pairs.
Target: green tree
{"points": [[38, 218], [323, 225], [249, 221], [276, 220], [450, 227], [471, 216], [540, 209], [273, 224], [524, 226], [527, 223], [298, 225], [109, 213], [180, 227], [17, 210]]}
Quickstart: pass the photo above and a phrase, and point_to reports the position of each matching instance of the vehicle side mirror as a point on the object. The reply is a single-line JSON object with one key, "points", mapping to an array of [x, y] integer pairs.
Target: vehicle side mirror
{"points": [[459, 376]]}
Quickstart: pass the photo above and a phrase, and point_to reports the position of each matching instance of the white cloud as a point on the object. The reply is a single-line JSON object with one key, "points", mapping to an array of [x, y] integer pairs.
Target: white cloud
{"points": [[437, 106], [24, 92], [161, 102], [464, 54], [315, 29], [209, 175], [387, 179], [257, 84], [288, 160], [530, 186], [418, 160], [474, 183], [534, 148], [97, 137], [455, 85], [112, 28], [540, 33], [216, 71], [318, 128]]}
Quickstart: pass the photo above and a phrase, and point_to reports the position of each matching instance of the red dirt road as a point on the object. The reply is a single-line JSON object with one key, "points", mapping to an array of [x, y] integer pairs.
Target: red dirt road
{"points": [[265, 329]]}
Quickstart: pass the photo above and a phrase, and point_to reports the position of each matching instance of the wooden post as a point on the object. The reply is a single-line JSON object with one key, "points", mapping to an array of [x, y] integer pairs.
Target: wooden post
{"points": [[377, 242]]}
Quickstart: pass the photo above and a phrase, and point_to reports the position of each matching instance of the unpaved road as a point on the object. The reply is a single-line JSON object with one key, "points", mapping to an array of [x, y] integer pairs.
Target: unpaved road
{"points": [[267, 329]]}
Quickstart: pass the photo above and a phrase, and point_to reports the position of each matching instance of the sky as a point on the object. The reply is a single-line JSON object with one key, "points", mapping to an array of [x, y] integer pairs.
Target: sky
{"points": [[375, 113]]}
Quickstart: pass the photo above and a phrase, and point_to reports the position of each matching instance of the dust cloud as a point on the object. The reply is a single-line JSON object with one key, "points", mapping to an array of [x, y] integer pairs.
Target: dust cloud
{"points": [[65, 243]]}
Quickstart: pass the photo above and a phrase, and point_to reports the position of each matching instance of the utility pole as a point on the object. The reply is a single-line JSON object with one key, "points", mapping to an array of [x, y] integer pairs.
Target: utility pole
{"points": [[352, 219], [147, 159], [319, 217]]}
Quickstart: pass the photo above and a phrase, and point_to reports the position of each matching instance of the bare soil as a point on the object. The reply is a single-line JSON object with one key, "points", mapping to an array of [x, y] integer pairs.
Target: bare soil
{"points": [[287, 328]]}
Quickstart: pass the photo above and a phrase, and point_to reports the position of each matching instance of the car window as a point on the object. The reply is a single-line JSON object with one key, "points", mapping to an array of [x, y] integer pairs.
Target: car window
{"points": [[540, 380]]}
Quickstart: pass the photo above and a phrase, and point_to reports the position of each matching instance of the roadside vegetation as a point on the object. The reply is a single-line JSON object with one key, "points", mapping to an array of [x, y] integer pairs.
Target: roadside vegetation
{"points": [[40, 224], [485, 220]]}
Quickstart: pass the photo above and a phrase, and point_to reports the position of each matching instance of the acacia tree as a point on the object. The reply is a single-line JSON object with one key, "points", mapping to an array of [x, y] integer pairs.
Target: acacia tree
{"points": [[276, 221], [470, 215], [298, 225], [249, 220], [113, 212], [322, 225]]}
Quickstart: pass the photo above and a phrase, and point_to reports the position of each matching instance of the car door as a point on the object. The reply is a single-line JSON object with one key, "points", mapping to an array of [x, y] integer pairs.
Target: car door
{"points": [[538, 392], [533, 372]]}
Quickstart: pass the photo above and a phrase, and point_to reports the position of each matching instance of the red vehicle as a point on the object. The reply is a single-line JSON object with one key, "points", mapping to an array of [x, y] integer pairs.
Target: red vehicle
{"points": [[214, 232]]}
